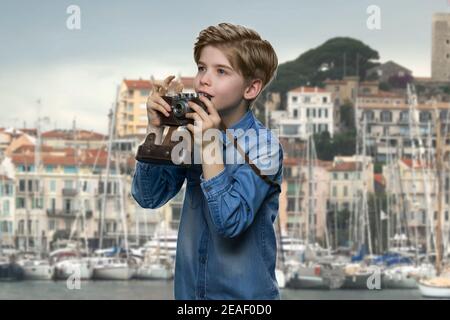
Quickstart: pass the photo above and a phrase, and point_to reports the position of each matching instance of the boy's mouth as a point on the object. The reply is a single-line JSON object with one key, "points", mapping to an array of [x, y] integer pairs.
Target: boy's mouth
{"points": [[205, 94]]}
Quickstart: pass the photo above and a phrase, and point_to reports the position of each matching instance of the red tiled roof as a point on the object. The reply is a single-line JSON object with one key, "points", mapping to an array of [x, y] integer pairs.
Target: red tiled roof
{"points": [[69, 135], [418, 163], [383, 94], [138, 84], [188, 82], [308, 89], [346, 166], [292, 162]]}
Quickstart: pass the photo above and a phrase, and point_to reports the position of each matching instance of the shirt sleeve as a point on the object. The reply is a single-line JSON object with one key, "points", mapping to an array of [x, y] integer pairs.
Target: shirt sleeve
{"points": [[233, 200], [154, 185]]}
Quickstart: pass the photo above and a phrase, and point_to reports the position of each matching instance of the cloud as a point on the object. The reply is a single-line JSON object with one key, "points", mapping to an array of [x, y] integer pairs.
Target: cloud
{"points": [[84, 91]]}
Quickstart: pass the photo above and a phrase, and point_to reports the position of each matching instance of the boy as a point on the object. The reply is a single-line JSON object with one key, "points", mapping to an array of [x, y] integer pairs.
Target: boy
{"points": [[226, 241]]}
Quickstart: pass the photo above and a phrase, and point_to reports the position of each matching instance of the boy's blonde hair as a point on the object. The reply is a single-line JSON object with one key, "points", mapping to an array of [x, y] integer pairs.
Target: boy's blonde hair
{"points": [[251, 56]]}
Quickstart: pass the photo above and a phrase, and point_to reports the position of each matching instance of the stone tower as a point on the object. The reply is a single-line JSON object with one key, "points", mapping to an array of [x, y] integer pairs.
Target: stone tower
{"points": [[440, 50]]}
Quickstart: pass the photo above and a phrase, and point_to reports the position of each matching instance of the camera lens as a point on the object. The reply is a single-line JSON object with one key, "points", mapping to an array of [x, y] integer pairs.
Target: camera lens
{"points": [[179, 109]]}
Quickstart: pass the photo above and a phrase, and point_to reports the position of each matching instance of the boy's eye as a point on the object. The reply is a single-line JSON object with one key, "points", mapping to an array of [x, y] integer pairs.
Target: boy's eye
{"points": [[221, 71], [200, 68]]}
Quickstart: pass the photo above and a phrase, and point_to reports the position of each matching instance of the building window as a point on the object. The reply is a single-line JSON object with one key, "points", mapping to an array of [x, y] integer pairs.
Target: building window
{"points": [[6, 207], [67, 205], [404, 116], [68, 184], [22, 185], [326, 113], [145, 93], [425, 116], [294, 99], [320, 113], [368, 115], [307, 99], [20, 204], [386, 116], [324, 99], [70, 169], [53, 186], [295, 113], [51, 225], [334, 191]]}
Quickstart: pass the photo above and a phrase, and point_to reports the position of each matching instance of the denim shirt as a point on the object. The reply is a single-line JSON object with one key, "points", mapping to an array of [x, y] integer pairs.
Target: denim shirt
{"points": [[226, 246]]}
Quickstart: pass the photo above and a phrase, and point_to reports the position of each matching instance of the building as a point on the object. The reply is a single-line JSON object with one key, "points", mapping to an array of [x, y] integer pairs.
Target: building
{"points": [[7, 209], [65, 197], [440, 50], [73, 139], [349, 176], [131, 117], [412, 188], [387, 70], [297, 218], [347, 90], [387, 123], [309, 111]]}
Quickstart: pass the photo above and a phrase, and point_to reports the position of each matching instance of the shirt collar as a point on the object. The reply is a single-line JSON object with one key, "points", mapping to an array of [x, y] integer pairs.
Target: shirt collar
{"points": [[243, 124]]}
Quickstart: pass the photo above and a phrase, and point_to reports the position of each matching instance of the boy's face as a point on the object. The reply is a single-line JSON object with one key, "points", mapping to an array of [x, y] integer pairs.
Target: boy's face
{"points": [[217, 78]]}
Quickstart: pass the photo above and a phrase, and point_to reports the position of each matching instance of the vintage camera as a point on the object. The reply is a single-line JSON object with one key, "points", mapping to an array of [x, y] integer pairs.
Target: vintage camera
{"points": [[151, 152], [179, 107]]}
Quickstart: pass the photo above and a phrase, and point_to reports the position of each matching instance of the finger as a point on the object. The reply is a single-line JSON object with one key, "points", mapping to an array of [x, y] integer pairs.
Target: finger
{"points": [[167, 81], [190, 127], [199, 110], [209, 105], [194, 116], [160, 108], [163, 103], [160, 87], [179, 87]]}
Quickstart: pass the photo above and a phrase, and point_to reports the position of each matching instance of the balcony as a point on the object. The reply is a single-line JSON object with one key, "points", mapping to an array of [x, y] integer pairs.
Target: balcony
{"points": [[69, 192], [56, 213]]}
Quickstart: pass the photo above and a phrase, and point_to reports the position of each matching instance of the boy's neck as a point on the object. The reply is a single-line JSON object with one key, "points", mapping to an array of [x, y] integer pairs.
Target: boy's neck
{"points": [[232, 115]]}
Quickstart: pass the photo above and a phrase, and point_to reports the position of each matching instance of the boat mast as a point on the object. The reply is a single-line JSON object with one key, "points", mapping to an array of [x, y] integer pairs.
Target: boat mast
{"points": [[439, 168]]}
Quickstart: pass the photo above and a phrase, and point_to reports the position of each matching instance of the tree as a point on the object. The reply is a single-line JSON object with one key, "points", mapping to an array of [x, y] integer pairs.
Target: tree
{"points": [[347, 112], [341, 56]]}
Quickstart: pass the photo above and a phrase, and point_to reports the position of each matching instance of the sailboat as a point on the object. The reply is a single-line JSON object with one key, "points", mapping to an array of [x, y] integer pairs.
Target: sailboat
{"points": [[439, 286], [312, 270], [114, 268], [33, 266], [158, 262]]}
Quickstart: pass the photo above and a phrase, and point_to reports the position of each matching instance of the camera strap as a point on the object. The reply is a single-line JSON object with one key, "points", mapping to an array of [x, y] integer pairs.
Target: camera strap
{"points": [[251, 164]]}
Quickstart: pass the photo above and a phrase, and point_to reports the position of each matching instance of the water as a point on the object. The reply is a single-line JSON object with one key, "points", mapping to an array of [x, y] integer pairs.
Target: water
{"points": [[151, 290]]}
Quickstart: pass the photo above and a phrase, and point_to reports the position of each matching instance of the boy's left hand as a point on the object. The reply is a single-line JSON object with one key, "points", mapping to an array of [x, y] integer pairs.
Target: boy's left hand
{"points": [[203, 120]]}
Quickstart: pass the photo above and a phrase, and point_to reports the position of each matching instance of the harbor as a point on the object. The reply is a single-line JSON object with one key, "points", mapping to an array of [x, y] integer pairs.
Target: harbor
{"points": [[363, 204]]}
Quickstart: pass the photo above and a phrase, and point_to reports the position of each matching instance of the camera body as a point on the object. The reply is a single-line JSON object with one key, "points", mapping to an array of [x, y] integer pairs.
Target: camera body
{"points": [[179, 107], [151, 152]]}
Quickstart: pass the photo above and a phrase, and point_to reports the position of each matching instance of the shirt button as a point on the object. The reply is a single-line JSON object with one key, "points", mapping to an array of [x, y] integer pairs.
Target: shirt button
{"points": [[202, 260]]}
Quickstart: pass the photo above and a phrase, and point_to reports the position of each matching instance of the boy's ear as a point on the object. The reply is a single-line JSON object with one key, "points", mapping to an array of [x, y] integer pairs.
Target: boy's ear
{"points": [[253, 88]]}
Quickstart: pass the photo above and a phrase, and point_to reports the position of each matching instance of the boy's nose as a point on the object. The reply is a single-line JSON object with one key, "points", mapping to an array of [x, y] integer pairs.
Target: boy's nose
{"points": [[205, 80]]}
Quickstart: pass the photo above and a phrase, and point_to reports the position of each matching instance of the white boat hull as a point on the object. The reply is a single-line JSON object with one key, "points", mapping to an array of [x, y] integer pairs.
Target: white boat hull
{"points": [[44, 272], [157, 272], [114, 273], [433, 291], [66, 269]]}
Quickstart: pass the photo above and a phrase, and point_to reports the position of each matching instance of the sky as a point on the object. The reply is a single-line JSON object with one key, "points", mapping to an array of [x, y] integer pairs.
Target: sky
{"points": [[75, 73]]}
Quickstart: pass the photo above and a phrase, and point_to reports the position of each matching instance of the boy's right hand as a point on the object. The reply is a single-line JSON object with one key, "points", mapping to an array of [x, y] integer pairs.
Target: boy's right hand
{"points": [[157, 107]]}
